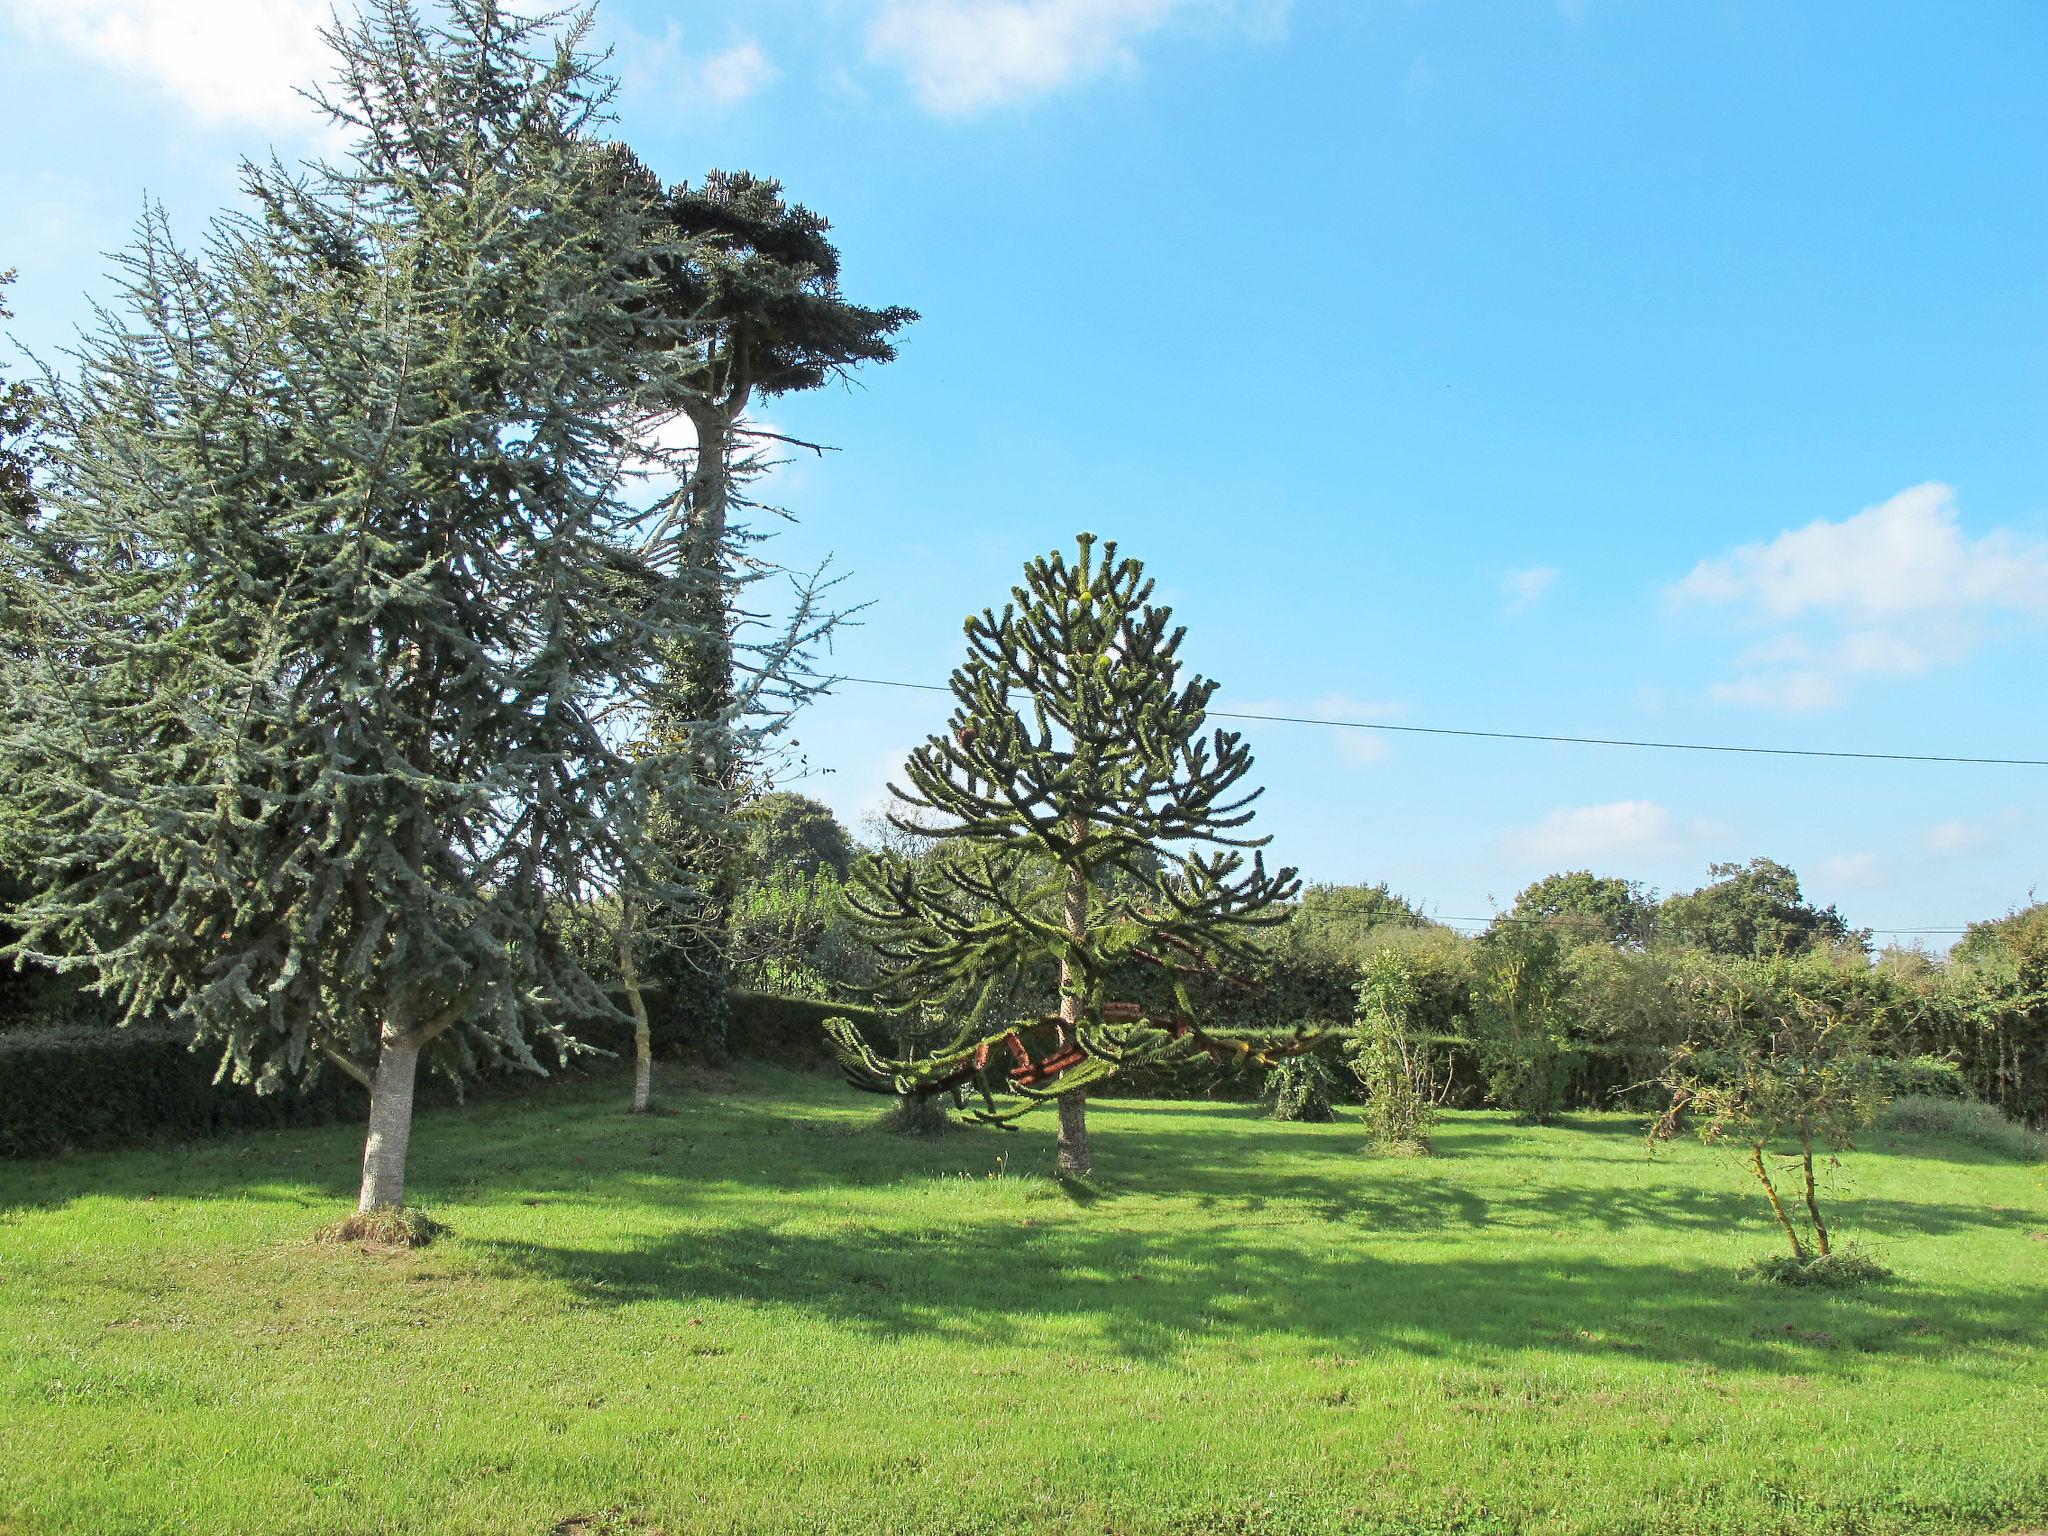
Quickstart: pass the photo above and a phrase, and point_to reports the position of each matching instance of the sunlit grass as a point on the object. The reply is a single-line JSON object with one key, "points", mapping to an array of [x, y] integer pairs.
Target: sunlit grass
{"points": [[759, 1314]]}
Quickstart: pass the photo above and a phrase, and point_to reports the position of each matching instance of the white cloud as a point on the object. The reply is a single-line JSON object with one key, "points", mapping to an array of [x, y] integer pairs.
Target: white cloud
{"points": [[1523, 589], [1582, 833], [963, 56], [1897, 590], [735, 73], [1850, 872], [1961, 837], [1957, 837], [223, 60], [1905, 556], [662, 66], [766, 463]]}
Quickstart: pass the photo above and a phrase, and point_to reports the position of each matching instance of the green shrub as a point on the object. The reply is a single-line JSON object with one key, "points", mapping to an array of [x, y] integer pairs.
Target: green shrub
{"points": [[790, 1031], [1298, 1088], [1922, 1077], [1964, 1119], [1526, 1050], [93, 1085], [1395, 1069]]}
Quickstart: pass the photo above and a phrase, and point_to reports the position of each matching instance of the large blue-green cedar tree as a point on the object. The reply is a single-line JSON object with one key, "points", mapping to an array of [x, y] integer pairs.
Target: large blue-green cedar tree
{"points": [[341, 589]]}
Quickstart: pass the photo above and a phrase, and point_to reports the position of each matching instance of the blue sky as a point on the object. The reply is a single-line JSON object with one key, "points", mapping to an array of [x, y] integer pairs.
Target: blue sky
{"points": [[1604, 368]]}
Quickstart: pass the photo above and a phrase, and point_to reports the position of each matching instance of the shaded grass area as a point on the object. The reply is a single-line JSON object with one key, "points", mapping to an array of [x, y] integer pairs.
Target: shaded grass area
{"points": [[758, 1314]]}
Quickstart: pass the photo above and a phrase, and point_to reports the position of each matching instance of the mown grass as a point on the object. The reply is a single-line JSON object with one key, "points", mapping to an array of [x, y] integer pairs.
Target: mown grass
{"points": [[757, 1314]]}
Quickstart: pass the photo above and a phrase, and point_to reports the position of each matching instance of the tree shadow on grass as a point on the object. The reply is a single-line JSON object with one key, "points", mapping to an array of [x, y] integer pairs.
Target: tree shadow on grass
{"points": [[1150, 1296], [1259, 1165], [788, 1133]]}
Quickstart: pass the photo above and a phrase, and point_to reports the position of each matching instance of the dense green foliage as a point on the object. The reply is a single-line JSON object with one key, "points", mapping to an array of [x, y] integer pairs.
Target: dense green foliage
{"points": [[754, 1315], [1589, 908], [789, 834], [1521, 1022], [1752, 910], [1301, 1088]]}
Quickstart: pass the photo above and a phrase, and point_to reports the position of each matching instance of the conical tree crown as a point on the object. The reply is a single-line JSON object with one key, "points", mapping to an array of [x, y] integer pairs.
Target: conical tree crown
{"points": [[1085, 820]]}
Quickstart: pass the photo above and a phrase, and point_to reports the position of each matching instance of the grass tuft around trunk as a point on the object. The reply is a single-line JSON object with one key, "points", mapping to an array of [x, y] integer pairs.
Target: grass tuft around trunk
{"points": [[1837, 1271], [387, 1227]]}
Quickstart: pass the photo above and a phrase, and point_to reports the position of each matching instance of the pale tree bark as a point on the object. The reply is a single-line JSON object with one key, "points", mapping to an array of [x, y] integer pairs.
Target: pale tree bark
{"points": [[1075, 1158], [643, 1036], [391, 1095], [391, 1089]]}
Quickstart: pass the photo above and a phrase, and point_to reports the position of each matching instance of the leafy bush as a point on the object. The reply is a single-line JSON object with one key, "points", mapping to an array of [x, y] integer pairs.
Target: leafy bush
{"points": [[793, 935], [90, 1084], [1394, 1068], [93, 1085], [1989, 1012], [1963, 1119], [1839, 1270], [1922, 1077], [1784, 1054], [1298, 1088], [1526, 1050]]}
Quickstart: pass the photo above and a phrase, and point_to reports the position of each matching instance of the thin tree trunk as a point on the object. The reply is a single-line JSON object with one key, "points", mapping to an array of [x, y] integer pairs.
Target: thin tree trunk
{"points": [[1820, 1228], [1075, 1159], [391, 1088], [643, 1036], [707, 693], [1756, 1163]]}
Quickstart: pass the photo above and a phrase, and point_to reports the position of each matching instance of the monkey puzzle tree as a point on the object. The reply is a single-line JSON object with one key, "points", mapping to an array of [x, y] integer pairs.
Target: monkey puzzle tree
{"points": [[336, 587], [1095, 825]]}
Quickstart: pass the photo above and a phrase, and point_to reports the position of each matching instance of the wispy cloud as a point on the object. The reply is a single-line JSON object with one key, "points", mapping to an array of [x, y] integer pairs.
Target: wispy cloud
{"points": [[1850, 872], [1525, 588], [1897, 590], [966, 56], [223, 61], [1963, 837], [1584, 833], [663, 66]]}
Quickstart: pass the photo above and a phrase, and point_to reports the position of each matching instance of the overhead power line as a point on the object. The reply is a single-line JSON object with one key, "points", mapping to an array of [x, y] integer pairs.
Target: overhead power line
{"points": [[1576, 741]]}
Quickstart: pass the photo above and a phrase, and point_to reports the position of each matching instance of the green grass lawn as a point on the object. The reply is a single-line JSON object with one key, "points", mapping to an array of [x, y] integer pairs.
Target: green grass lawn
{"points": [[758, 1314]]}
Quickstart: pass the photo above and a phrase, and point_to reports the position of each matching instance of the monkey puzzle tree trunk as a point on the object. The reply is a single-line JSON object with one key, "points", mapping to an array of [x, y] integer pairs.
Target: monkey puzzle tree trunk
{"points": [[1075, 1160], [391, 1089]]}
